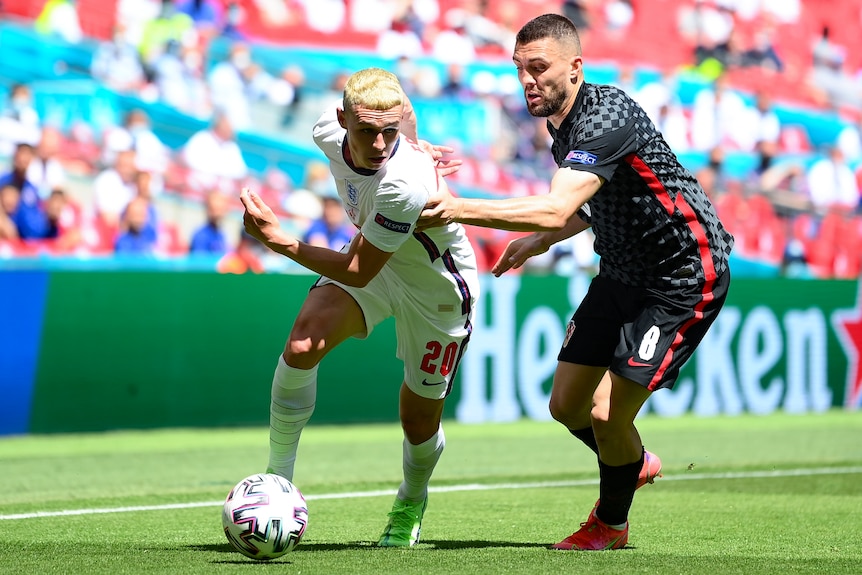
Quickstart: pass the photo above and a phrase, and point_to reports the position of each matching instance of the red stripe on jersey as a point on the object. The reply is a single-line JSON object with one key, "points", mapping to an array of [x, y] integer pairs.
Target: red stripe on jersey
{"points": [[661, 194]]}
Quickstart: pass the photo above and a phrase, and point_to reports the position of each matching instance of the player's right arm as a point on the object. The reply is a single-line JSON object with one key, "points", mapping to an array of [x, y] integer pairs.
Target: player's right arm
{"points": [[355, 267]]}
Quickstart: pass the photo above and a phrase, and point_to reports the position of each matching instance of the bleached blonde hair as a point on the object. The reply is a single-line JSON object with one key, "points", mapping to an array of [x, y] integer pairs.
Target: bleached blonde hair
{"points": [[373, 88]]}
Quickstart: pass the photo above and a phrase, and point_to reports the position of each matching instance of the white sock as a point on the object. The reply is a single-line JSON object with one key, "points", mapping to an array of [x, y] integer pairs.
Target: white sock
{"points": [[419, 463], [293, 395]]}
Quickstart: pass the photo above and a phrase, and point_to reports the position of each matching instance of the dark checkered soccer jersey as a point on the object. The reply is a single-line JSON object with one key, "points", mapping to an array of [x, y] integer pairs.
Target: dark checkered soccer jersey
{"points": [[654, 224]]}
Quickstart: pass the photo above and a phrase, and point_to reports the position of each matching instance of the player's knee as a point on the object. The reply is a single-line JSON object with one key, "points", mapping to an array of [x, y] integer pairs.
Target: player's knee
{"points": [[566, 412], [600, 415], [418, 429]]}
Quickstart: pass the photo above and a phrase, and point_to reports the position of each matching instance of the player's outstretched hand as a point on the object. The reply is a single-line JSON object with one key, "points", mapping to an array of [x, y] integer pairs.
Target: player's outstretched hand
{"points": [[517, 252], [441, 209], [444, 167], [259, 220]]}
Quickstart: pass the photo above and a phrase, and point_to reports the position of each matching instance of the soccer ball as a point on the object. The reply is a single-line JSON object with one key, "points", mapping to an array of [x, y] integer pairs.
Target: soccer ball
{"points": [[264, 516]]}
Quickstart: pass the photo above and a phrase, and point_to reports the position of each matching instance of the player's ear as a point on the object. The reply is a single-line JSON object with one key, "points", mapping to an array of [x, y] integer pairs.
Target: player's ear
{"points": [[341, 120], [577, 65]]}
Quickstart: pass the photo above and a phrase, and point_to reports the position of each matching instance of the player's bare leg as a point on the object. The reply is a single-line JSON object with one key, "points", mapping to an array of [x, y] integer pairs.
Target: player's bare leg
{"points": [[327, 317]]}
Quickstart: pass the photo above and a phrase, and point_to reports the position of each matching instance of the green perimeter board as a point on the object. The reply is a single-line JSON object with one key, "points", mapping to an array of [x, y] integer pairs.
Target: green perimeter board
{"points": [[144, 350]]}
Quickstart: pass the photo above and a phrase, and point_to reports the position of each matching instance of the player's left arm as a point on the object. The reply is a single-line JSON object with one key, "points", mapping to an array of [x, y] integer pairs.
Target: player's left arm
{"points": [[552, 212], [356, 267]]}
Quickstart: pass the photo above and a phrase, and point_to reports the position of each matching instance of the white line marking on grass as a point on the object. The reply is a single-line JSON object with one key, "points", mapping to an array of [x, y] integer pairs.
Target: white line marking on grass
{"points": [[452, 489]]}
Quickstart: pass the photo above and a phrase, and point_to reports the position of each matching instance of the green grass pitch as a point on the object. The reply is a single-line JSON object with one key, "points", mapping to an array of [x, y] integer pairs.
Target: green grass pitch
{"points": [[740, 495]]}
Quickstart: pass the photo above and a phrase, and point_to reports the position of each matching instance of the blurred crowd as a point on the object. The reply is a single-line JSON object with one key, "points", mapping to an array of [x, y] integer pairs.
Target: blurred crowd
{"points": [[796, 205]]}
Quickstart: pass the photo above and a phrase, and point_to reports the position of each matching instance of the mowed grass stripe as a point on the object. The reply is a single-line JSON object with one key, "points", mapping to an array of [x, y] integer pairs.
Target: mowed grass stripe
{"points": [[455, 488]]}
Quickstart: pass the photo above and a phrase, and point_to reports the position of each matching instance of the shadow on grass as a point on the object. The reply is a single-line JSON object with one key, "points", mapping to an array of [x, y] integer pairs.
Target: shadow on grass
{"points": [[355, 545]]}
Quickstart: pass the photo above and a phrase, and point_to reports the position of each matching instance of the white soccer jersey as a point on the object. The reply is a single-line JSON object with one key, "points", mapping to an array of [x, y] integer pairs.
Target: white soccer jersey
{"points": [[385, 205], [430, 283]]}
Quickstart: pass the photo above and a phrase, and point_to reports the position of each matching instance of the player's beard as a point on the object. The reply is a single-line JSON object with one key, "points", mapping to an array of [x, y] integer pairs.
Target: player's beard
{"points": [[551, 104]]}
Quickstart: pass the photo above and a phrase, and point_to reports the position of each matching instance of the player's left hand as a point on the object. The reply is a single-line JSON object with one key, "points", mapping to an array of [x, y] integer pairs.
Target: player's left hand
{"points": [[444, 167], [441, 209], [259, 220], [517, 252]]}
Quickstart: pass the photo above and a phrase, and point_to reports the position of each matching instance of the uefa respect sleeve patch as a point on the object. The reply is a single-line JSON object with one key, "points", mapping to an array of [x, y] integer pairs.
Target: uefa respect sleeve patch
{"points": [[581, 157], [392, 225]]}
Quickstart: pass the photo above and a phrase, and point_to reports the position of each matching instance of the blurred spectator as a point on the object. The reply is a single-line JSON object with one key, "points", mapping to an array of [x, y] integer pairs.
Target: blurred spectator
{"points": [[619, 15], [151, 155], [760, 123], [452, 44], [236, 83], [214, 157], [114, 188], [168, 28], [673, 126], [178, 78], [399, 41], [209, 239], [709, 27], [245, 258], [715, 116], [332, 229], [578, 12], [325, 16], [133, 238], [207, 15], [828, 81], [10, 197], [454, 85], [60, 18], [133, 16], [831, 183], [116, 63], [46, 172], [849, 139], [782, 179], [144, 189], [29, 216], [762, 53], [483, 31], [655, 93], [19, 121], [287, 92], [234, 16], [64, 220]]}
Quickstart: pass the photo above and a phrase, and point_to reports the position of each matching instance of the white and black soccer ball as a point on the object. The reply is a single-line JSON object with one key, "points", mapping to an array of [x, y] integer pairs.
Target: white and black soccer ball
{"points": [[264, 516]]}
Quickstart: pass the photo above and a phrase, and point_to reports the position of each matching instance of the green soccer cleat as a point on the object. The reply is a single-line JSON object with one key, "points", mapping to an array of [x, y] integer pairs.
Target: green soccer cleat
{"points": [[405, 522]]}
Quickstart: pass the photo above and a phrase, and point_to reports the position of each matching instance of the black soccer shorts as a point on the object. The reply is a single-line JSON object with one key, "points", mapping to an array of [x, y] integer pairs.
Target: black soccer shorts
{"points": [[642, 334]]}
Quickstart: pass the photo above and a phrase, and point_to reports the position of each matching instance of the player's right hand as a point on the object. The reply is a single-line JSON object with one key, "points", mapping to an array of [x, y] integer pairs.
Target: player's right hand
{"points": [[517, 252], [259, 220]]}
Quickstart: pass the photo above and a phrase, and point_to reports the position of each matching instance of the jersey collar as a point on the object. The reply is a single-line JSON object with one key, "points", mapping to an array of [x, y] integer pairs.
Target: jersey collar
{"points": [[569, 123], [345, 153]]}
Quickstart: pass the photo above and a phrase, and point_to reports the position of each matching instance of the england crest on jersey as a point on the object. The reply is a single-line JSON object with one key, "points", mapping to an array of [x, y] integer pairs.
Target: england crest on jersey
{"points": [[352, 193]]}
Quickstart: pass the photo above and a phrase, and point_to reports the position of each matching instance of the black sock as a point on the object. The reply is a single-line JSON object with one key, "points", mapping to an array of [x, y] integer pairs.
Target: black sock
{"points": [[616, 490], [587, 436]]}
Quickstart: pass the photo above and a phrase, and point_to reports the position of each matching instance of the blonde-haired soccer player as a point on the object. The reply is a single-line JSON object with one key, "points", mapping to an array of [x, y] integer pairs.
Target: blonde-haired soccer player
{"points": [[426, 280]]}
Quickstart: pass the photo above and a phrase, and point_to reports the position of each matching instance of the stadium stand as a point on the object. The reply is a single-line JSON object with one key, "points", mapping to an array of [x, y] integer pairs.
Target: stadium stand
{"points": [[297, 59]]}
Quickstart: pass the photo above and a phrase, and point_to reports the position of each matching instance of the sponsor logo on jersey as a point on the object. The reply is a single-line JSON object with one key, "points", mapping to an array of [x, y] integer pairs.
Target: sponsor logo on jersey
{"points": [[581, 157], [392, 225], [352, 193]]}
